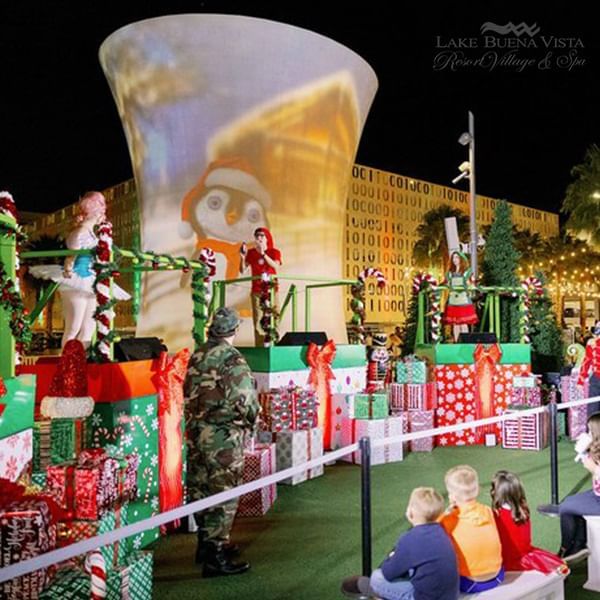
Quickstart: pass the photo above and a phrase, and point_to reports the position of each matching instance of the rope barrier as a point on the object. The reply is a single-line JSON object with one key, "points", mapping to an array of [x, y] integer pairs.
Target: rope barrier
{"points": [[87, 545]]}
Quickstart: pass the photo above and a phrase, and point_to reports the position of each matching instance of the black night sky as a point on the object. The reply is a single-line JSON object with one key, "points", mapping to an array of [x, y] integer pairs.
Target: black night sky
{"points": [[61, 134]]}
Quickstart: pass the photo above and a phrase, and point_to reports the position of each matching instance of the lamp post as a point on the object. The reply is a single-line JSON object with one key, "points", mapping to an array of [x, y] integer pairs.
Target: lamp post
{"points": [[467, 169]]}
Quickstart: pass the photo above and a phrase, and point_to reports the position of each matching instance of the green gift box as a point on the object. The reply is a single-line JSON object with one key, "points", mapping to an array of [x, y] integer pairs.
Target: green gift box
{"points": [[69, 584], [132, 580], [411, 371], [68, 437], [17, 405], [368, 406], [132, 426]]}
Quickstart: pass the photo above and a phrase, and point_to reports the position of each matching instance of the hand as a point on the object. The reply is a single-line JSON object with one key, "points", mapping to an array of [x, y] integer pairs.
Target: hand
{"points": [[67, 273], [243, 249], [262, 245]]}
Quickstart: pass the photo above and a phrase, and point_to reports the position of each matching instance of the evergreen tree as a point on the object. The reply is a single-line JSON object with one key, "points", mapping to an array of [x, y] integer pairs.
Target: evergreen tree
{"points": [[499, 268], [408, 333], [546, 338], [582, 198]]}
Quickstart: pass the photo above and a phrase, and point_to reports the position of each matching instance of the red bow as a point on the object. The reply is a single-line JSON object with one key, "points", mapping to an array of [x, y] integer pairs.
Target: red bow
{"points": [[319, 377], [170, 375]]}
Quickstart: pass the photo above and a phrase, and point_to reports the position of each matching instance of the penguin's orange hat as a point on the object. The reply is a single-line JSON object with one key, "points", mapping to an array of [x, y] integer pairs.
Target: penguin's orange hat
{"points": [[234, 173]]}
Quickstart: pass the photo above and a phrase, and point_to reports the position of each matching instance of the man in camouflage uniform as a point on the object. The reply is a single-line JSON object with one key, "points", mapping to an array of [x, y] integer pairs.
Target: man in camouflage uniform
{"points": [[221, 409]]}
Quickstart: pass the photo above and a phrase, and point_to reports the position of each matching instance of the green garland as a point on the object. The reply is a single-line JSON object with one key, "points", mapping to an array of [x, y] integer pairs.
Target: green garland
{"points": [[11, 301]]}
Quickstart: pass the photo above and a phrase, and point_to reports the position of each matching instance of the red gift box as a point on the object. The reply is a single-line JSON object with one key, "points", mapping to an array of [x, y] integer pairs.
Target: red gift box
{"points": [[88, 488], [289, 409], [259, 462], [26, 530], [397, 396]]}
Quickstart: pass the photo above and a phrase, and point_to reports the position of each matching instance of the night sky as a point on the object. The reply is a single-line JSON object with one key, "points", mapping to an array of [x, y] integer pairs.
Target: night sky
{"points": [[535, 114]]}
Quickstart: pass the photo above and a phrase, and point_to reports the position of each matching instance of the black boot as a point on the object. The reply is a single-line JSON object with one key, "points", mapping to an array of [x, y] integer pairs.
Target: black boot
{"points": [[217, 562], [231, 550]]}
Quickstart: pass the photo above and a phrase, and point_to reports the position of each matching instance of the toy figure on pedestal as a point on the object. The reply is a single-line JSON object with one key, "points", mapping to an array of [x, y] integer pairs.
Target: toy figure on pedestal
{"points": [[76, 276], [460, 311]]}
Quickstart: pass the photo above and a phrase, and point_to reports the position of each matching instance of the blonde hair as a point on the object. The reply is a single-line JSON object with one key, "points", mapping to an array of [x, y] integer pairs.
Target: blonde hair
{"points": [[427, 503], [462, 482]]}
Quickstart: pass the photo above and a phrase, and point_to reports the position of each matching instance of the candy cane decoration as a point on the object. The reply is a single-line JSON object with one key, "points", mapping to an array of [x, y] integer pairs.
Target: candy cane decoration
{"points": [[104, 312], [429, 282], [148, 477], [357, 304], [208, 257], [371, 272], [530, 286], [131, 419], [96, 567]]}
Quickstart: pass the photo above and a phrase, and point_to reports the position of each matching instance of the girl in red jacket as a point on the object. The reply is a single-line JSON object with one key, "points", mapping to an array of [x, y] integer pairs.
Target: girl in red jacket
{"points": [[514, 527]]}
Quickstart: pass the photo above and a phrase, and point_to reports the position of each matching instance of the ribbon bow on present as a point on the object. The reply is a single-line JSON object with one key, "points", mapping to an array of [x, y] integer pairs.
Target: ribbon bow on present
{"points": [[486, 359], [320, 375], [169, 380]]}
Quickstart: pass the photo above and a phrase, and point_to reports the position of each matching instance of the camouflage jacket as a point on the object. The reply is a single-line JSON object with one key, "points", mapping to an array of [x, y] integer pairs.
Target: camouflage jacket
{"points": [[219, 387]]}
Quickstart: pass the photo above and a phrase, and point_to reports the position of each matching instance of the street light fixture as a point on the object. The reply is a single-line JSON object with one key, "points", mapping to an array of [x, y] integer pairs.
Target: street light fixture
{"points": [[467, 170]]}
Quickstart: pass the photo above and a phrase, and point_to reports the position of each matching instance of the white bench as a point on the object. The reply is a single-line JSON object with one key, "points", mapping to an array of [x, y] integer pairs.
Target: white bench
{"points": [[525, 585], [593, 561]]}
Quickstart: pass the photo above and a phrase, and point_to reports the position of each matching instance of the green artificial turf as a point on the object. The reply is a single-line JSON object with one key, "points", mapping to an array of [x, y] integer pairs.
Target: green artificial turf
{"points": [[311, 538]]}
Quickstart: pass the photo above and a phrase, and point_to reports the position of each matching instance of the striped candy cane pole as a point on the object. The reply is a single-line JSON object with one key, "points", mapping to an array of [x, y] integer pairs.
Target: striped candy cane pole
{"points": [[104, 314], [428, 281], [371, 272], [96, 568]]}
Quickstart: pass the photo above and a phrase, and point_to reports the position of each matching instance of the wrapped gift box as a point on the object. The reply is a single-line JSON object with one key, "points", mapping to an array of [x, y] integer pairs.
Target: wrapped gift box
{"points": [[67, 439], [16, 452], [69, 532], [577, 421], [26, 531], [411, 371], [397, 396], [526, 396], [289, 409], [421, 420], [420, 396], [130, 581], [368, 406], [297, 447], [457, 399], [526, 433], [17, 405], [376, 429], [132, 426], [339, 410], [88, 488], [258, 462], [41, 445], [569, 389]]}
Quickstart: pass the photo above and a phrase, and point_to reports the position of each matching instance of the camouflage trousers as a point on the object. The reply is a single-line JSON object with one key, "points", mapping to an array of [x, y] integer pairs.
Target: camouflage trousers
{"points": [[215, 462]]}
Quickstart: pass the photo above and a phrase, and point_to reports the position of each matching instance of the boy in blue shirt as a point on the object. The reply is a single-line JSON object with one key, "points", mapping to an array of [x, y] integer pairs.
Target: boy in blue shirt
{"points": [[422, 565]]}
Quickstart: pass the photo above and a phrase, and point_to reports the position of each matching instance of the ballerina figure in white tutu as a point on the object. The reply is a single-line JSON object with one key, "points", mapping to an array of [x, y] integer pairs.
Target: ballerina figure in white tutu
{"points": [[76, 276]]}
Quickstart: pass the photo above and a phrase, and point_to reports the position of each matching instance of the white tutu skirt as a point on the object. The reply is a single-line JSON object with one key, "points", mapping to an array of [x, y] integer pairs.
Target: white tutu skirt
{"points": [[75, 282]]}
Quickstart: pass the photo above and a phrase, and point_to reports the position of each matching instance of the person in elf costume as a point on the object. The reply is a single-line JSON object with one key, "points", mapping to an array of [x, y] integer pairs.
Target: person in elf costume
{"points": [[460, 311]]}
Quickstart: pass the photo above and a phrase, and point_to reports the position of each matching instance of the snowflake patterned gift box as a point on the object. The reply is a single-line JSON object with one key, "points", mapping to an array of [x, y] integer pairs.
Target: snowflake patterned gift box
{"points": [[297, 447], [132, 426], [529, 432], [421, 420], [16, 452], [258, 462], [368, 406], [376, 429], [26, 531]]}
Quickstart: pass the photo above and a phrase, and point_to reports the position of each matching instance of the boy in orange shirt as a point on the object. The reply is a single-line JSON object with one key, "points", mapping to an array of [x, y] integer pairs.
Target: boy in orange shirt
{"points": [[472, 528]]}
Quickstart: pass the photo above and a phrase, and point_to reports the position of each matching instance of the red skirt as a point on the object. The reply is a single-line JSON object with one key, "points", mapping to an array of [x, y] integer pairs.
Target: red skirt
{"points": [[463, 314]]}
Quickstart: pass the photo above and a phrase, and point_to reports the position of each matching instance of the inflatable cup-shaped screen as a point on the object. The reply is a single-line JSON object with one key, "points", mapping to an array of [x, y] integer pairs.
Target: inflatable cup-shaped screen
{"points": [[234, 123]]}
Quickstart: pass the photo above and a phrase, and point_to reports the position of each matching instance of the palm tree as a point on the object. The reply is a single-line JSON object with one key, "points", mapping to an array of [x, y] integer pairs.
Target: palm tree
{"points": [[431, 249], [582, 198], [43, 243]]}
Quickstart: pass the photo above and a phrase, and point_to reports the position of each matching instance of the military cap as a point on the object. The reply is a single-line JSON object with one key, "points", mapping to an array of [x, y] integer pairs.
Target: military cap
{"points": [[224, 322]]}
